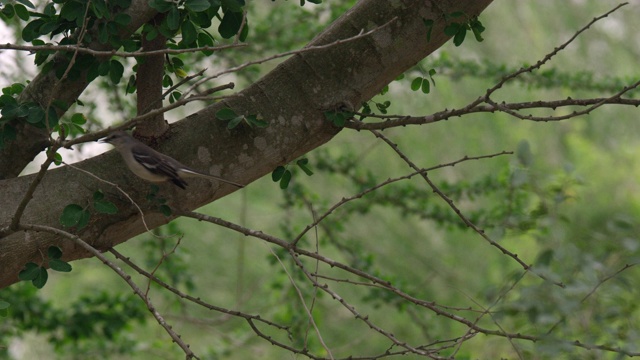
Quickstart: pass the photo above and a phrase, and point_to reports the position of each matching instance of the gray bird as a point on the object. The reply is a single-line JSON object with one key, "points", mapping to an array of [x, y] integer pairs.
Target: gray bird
{"points": [[153, 166]]}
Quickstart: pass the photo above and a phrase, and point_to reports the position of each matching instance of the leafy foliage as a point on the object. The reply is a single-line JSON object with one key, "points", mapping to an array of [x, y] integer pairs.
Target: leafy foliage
{"points": [[234, 119], [401, 233], [96, 320], [38, 274]]}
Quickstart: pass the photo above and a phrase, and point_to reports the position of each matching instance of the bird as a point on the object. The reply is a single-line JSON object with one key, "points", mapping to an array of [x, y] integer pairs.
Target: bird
{"points": [[153, 166]]}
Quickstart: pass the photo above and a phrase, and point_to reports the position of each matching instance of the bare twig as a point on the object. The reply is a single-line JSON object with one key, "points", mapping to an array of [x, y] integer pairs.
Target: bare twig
{"points": [[124, 54], [387, 182], [391, 121], [492, 106], [77, 240], [459, 213], [304, 304], [362, 34]]}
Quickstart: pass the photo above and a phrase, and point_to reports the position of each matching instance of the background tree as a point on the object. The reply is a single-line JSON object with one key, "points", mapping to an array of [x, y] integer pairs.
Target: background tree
{"points": [[351, 245]]}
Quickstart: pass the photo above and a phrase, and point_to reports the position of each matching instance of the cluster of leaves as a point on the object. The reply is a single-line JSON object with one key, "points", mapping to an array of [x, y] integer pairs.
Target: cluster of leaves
{"points": [[283, 175], [103, 22], [339, 117], [423, 83], [34, 114], [96, 320], [234, 119], [458, 29], [38, 274], [74, 215], [31, 112], [548, 78], [191, 17], [174, 268]]}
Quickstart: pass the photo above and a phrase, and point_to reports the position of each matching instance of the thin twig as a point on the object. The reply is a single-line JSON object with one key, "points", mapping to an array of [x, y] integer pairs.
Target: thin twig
{"points": [[304, 304], [289, 53], [459, 213], [124, 54], [127, 278], [387, 182]]}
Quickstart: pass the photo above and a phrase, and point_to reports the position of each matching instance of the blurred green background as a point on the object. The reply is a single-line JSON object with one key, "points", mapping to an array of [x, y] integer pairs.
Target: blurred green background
{"points": [[567, 202]]}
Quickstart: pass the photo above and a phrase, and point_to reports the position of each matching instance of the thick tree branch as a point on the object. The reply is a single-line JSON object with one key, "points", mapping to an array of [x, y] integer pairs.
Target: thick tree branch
{"points": [[46, 88], [293, 98]]}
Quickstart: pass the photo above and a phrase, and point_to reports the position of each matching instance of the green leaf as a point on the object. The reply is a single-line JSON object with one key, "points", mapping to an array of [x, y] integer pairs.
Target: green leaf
{"points": [[42, 278], [57, 159], [452, 29], [477, 28], [72, 10], [253, 120], [173, 19], [161, 5], [429, 24], [286, 178], [7, 99], [234, 122], [98, 195], [165, 210], [205, 39], [84, 219], [426, 87], [54, 252], [78, 119], [22, 12], [31, 30], [105, 207], [302, 164], [276, 175], [99, 8], [71, 215], [416, 83], [15, 111], [116, 70], [51, 117], [48, 27], [189, 33], [230, 24], [226, 114], [152, 33], [458, 39], [59, 265], [29, 272], [49, 9], [233, 5], [122, 19], [27, 3], [197, 5], [338, 118], [8, 11], [245, 31], [36, 115]]}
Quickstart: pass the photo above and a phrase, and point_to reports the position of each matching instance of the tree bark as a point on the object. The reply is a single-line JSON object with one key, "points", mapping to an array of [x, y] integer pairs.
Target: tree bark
{"points": [[46, 88], [292, 98]]}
